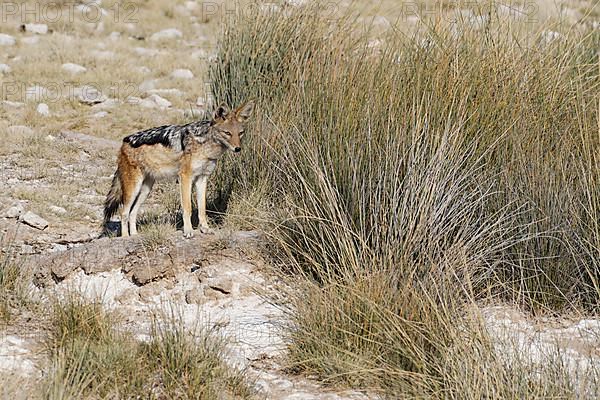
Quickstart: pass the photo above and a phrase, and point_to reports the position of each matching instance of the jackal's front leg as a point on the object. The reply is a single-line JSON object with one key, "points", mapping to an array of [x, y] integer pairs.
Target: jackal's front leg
{"points": [[201, 200], [185, 183]]}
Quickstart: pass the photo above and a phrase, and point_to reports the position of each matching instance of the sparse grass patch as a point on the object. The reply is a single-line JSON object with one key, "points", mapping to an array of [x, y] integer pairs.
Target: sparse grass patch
{"points": [[14, 281], [156, 235], [92, 358]]}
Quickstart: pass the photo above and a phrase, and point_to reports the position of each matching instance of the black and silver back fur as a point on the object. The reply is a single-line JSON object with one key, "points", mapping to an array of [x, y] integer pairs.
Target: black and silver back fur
{"points": [[171, 136]]}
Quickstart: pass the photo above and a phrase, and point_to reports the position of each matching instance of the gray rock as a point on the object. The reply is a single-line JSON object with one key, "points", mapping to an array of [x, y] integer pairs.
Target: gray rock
{"points": [[58, 210], [5, 69], [58, 247], [155, 101], [212, 294], [73, 68], [221, 284], [43, 109], [195, 296], [13, 212], [27, 249], [34, 220], [100, 114], [166, 34], [89, 95], [182, 74], [40, 29]]}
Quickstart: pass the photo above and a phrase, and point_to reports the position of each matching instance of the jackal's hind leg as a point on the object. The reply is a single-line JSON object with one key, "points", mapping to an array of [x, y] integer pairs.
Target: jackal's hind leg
{"points": [[132, 184], [141, 198]]}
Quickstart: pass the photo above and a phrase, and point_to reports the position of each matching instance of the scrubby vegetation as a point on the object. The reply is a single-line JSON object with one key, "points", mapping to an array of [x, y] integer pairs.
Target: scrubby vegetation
{"points": [[92, 357], [14, 282], [402, 182]]}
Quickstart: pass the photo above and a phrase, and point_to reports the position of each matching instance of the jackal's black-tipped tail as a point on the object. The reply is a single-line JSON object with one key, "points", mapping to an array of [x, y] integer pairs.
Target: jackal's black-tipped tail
{"points": [[113, 199]]}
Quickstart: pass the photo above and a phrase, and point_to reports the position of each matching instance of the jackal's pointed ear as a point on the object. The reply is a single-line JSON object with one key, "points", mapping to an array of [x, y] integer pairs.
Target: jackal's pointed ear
{"points": [[221, 112], [245, 111]]}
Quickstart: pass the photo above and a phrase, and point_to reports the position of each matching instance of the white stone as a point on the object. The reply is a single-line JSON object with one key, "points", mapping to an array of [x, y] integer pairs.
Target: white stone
{"points": [[100, 114], [166, 34], [91, 12], [89, 95], [13, 212], [191, 5], [73, 68], [296, 3], [43, 109], [7, 40], [114, 35], [550, 36], [4, 69], [108, 103], [40, 29], [133, 100], [34, 220], [155, 101], [58, 210], [182, 74]]}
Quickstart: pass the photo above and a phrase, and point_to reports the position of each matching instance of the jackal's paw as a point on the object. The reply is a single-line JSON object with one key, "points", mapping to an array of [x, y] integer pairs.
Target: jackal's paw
{"points": [[188, 234], [206, 230]]}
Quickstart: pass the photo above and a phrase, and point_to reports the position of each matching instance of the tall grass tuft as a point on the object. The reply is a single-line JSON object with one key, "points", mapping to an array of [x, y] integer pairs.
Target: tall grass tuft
{"points": [[421, 144], [410, 180]]}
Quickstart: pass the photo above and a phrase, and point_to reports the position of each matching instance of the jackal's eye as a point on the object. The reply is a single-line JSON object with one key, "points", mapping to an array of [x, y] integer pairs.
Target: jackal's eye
{"points": [[227, 133], [242, 133]]}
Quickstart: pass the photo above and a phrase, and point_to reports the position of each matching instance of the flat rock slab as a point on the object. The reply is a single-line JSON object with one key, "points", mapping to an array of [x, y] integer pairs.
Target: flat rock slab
{"points": [[34, 220], [136, 260]]}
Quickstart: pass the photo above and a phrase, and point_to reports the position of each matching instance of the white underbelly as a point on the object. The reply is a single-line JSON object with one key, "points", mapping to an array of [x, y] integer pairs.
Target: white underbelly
{"points": [[166, 173], [203, 167]]}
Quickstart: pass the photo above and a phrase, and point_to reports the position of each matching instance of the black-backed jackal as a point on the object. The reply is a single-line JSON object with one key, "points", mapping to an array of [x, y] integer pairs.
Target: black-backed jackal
{"points": [[188, 152]]}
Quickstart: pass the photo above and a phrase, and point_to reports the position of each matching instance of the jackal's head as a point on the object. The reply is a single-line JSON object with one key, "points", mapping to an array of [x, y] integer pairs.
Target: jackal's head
{"points": [[229, 125]]}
